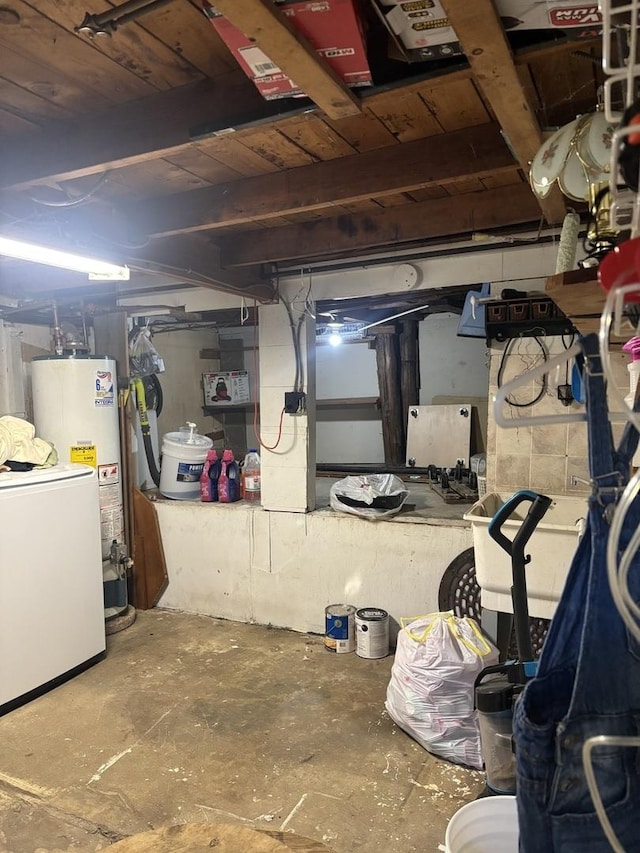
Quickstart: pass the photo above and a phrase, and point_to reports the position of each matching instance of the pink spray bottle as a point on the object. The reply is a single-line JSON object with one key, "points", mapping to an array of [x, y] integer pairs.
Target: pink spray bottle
{"points": [[633, 348]]}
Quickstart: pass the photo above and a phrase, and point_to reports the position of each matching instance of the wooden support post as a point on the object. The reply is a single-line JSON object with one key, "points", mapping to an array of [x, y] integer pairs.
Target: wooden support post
{"points": [[409, 367], [390, 396]]}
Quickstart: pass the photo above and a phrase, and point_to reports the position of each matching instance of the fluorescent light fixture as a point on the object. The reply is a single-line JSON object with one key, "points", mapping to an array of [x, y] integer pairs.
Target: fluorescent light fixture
{"points": [[335, 333], [330, 333], [394, 317], [96, 269]]}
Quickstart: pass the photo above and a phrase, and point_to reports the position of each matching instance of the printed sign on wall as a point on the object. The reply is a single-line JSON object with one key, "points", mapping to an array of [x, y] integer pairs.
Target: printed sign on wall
{"points": [[231, 388]]}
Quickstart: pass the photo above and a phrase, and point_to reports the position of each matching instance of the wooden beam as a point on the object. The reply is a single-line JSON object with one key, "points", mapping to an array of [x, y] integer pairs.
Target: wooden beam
{"points": [[181, 260], [158, 125], [485, 45], [409, 364], [477, 151], [195, 261], [136, 132], [426, 220], [387, 361], [98, 232], [261, 21]]}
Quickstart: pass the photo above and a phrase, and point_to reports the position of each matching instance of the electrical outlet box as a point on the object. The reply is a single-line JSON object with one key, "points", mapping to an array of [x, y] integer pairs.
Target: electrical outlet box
{"points": [[295, 402]]}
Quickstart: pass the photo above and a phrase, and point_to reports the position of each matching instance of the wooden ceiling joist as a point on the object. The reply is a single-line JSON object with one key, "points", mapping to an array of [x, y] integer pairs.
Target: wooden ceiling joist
{"points": [[198, 262], [463, 214], [155, 127], [160, 125], [128, 134], [476, 151], [261, 21], [481, 35], [180, 260]]}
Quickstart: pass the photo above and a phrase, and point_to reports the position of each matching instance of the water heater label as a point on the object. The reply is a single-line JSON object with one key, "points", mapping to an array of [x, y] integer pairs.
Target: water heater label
{"points": [[108, 474], [109, 496], [84, 453], [111, 523], [105, 394]]}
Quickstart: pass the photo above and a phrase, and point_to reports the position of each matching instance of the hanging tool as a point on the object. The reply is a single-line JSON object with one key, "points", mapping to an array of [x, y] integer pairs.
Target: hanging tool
{"points": [[145, 427]]}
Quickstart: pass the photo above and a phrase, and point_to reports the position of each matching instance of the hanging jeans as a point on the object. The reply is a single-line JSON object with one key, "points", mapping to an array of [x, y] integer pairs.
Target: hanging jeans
{"points": [[588, 679]]}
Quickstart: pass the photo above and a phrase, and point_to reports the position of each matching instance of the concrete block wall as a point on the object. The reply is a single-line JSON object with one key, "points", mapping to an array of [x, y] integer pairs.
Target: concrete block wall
{"points": [[288, 471], [284, 568], [542, 457]]}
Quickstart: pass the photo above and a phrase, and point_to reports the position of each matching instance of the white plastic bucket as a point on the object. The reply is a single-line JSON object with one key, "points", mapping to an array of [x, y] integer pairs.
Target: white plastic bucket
{"points": [[489, 825], [183, 458]]}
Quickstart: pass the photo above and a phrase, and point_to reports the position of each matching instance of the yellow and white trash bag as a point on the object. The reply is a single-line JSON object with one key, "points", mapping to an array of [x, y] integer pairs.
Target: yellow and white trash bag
{"points": [[430, 694]]}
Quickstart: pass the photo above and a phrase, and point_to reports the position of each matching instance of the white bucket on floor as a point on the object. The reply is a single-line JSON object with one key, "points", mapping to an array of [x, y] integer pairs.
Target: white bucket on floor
{"points": [[489, 825]]}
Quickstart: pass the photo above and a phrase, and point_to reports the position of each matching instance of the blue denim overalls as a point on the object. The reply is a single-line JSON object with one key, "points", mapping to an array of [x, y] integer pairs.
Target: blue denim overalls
{"points": [[588, 679]]}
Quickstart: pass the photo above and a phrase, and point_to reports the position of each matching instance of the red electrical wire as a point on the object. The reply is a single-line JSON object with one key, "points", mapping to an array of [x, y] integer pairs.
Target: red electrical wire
{"points": [[260, 441]]}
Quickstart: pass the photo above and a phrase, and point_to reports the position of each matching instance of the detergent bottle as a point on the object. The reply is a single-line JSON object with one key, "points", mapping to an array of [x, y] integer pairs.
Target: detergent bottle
{"points": [[229, 480], [205, 482], [251, 476]]}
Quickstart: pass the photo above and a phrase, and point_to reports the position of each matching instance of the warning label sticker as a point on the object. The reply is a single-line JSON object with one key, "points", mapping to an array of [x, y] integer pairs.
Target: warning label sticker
{"points": [[109, 495], [84, 453], [108, 474], [111, 523], [105, 390]]}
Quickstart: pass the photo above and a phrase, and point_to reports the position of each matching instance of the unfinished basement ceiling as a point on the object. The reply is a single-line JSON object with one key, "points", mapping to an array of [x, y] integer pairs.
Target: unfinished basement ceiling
{"points": [[152, 148]]}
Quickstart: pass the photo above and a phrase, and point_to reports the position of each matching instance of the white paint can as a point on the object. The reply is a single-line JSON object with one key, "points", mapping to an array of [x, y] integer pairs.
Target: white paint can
{"points": [[340, 635], [372, 633]]}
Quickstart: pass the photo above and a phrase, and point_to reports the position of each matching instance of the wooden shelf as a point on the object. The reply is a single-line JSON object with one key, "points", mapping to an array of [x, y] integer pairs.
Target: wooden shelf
{"points": [[342, 402], [333, 403], [221, 410], [578, 294]]}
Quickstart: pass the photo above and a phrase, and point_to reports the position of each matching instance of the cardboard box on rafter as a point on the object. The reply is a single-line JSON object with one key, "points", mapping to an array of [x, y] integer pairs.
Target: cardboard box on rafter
{"points": [[420, 29], [333, 27]]}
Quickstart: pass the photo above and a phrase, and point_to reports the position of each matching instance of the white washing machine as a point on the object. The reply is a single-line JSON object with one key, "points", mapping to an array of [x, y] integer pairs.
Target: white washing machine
{"points": [[51, 597]]}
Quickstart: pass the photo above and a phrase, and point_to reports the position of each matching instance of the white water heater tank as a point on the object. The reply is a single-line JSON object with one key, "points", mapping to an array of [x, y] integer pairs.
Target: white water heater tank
{"points": [[75, 407]]}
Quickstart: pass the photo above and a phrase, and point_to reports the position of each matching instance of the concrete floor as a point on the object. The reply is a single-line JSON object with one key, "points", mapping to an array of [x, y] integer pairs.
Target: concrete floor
{"points": [[192, 719]]}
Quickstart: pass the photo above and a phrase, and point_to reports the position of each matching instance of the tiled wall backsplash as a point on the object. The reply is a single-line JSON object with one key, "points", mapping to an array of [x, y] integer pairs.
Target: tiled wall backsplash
{"points": [[542, 457]]}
